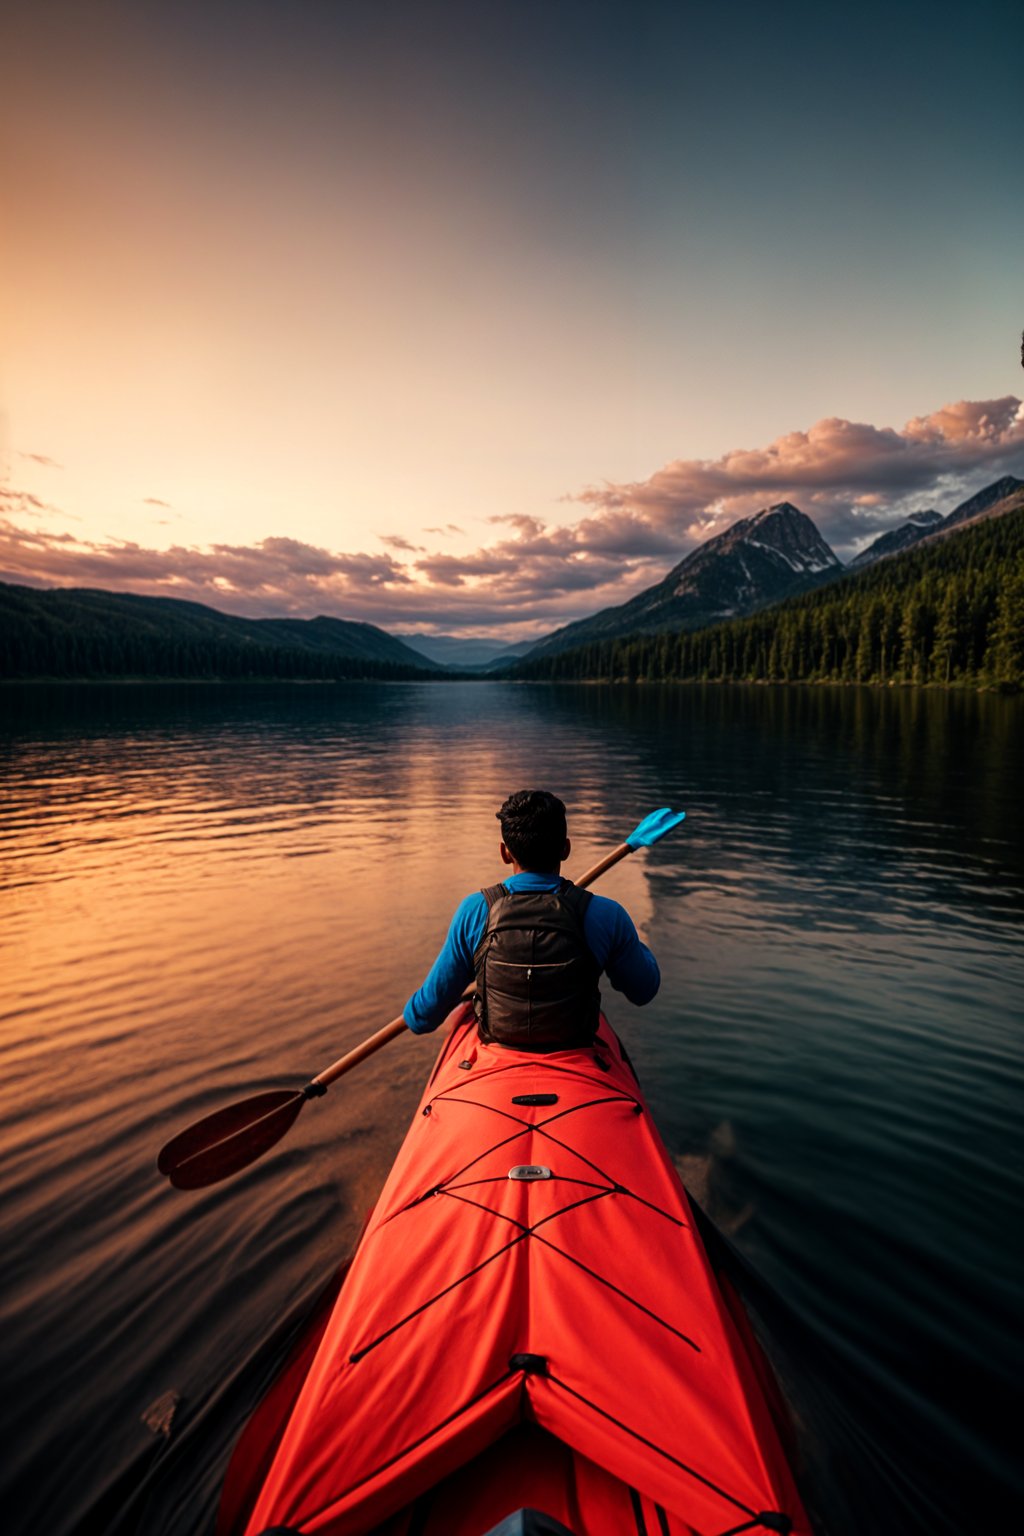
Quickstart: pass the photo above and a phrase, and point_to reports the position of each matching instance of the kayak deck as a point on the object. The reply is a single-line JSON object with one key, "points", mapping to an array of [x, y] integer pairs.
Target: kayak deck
{"points": [[529, 1468], [530, 1320]]}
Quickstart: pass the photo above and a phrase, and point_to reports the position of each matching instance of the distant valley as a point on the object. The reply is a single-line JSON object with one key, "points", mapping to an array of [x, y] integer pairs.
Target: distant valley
{"points": [[467, 654]]}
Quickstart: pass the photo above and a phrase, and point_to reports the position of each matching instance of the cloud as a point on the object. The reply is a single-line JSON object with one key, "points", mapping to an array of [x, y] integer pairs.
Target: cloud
{"points": [[448, 528], [24, 502], [278, 574], [854, 479], [396, 541], [21, 501], [41, 458], [521, 585], [154, 501]]}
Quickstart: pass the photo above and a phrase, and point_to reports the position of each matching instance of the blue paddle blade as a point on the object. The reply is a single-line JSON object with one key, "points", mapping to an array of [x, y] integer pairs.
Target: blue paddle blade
{"points": [[654, 827]]}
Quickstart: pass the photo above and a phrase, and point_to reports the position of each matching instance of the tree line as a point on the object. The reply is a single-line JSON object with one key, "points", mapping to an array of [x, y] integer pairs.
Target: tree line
{"points": [[110, 649], [949, 612]]}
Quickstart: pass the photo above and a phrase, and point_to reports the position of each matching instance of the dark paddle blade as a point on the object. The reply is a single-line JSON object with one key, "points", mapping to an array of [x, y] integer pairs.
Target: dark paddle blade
{"points": [[215, 1128], [236, 1152]]}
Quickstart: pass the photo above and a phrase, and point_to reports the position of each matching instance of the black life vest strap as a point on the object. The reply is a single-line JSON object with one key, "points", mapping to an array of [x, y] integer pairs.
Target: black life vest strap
{"points": [[576, 900]]}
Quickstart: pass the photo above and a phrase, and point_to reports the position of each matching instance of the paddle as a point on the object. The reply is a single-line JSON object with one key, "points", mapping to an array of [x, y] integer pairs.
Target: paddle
{"points": [[230, 1139]]}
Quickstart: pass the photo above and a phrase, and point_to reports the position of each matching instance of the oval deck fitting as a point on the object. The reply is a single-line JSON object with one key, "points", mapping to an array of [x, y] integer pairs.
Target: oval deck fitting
{"points": [[527, 1172]]}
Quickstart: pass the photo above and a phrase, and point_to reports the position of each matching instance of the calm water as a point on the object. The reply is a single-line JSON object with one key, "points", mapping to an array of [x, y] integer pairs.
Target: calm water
{"points": [[208, 892]]}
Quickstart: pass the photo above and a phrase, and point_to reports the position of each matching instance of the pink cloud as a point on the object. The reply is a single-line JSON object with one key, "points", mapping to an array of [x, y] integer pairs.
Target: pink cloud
{"points": [[396, 541], [854, 479], [830, 471], [521, 586], [41, 458], [23, 502], [977, 422]]}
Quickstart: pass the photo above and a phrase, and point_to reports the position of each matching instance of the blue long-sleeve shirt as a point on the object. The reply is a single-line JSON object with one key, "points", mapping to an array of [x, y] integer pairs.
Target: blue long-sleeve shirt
{"points": [[607, 928]]}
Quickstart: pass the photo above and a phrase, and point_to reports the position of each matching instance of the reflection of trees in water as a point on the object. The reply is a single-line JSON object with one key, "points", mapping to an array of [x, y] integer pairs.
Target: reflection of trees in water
{"points": [[891, 768], [835, 772]]}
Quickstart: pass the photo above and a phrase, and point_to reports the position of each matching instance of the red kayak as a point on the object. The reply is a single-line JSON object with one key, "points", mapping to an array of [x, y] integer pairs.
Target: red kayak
{"points": [[530, 1336]]}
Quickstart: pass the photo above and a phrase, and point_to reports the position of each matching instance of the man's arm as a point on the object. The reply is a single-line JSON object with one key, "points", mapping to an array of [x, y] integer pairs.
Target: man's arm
{"points": [[627, 962], [452, 971]]}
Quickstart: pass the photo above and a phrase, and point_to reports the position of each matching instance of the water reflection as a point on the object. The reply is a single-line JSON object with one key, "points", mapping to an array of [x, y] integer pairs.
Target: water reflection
{"points": [[207, 891]]}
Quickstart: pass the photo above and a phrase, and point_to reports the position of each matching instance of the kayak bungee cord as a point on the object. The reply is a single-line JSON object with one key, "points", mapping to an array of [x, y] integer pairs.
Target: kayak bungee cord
{"points": [[530, 1322]]}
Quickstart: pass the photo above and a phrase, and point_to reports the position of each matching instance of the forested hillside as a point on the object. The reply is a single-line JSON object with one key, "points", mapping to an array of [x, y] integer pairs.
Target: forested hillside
{"points": [[78, 633], [949, 611]]}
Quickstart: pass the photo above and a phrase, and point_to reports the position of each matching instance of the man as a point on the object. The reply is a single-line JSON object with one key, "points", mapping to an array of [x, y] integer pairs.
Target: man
{"points": [[535, 945]]}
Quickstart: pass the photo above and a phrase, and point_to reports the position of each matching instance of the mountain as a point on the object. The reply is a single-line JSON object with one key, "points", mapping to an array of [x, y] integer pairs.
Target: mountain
{"points": [[510, 654], [948, 611], [918, 526], [757, 561], [983, 501], [338, 637], [1002, 496], [82, 632], [474, 653], [990, 512]]}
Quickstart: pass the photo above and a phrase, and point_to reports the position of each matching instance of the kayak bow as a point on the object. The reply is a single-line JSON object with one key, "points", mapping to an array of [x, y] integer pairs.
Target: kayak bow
{"points": [[530, 1322]]}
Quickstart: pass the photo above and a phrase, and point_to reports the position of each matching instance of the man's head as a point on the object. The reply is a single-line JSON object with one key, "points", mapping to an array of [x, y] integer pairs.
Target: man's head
{"points": [[533, 831]]}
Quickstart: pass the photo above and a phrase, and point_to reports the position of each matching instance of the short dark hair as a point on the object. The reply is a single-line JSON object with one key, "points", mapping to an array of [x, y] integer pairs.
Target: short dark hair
{"points": [[533, 829]]}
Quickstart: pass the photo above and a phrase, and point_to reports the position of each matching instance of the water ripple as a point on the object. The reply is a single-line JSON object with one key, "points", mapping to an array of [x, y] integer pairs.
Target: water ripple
{"points": [[209, 892]]}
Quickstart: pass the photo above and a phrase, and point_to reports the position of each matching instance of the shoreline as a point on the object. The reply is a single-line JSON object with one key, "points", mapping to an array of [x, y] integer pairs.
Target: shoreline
{"points": [[1005, 690]]}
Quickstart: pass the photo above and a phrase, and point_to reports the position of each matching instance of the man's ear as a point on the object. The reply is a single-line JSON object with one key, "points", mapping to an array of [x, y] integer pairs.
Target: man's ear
{"points": [[506, 857], [566, 850]]}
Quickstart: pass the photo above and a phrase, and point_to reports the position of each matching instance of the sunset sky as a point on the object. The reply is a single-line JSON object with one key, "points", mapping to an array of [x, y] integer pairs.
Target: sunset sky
{"points": [[475, 318]]}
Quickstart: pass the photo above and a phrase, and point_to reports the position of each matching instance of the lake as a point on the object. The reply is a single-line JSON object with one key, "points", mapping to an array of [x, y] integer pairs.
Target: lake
{"points": [[209, 891]]}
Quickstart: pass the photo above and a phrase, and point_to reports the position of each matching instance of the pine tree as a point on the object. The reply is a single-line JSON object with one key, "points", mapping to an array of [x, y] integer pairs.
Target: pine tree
{"points": [[1005, 659]]}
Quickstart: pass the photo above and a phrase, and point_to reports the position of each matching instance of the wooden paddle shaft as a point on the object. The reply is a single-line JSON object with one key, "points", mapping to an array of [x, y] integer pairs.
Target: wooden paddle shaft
{"points": [[606, 863], [360, 1052], [397, 1026]]}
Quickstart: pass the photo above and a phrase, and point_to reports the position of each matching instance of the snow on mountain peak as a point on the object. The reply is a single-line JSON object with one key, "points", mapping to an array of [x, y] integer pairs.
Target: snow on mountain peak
{"points": [[787, 534]]}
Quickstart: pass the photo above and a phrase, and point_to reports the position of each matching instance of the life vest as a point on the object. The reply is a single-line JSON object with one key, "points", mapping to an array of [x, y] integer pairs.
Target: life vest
{"points": [[536, 977]]}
